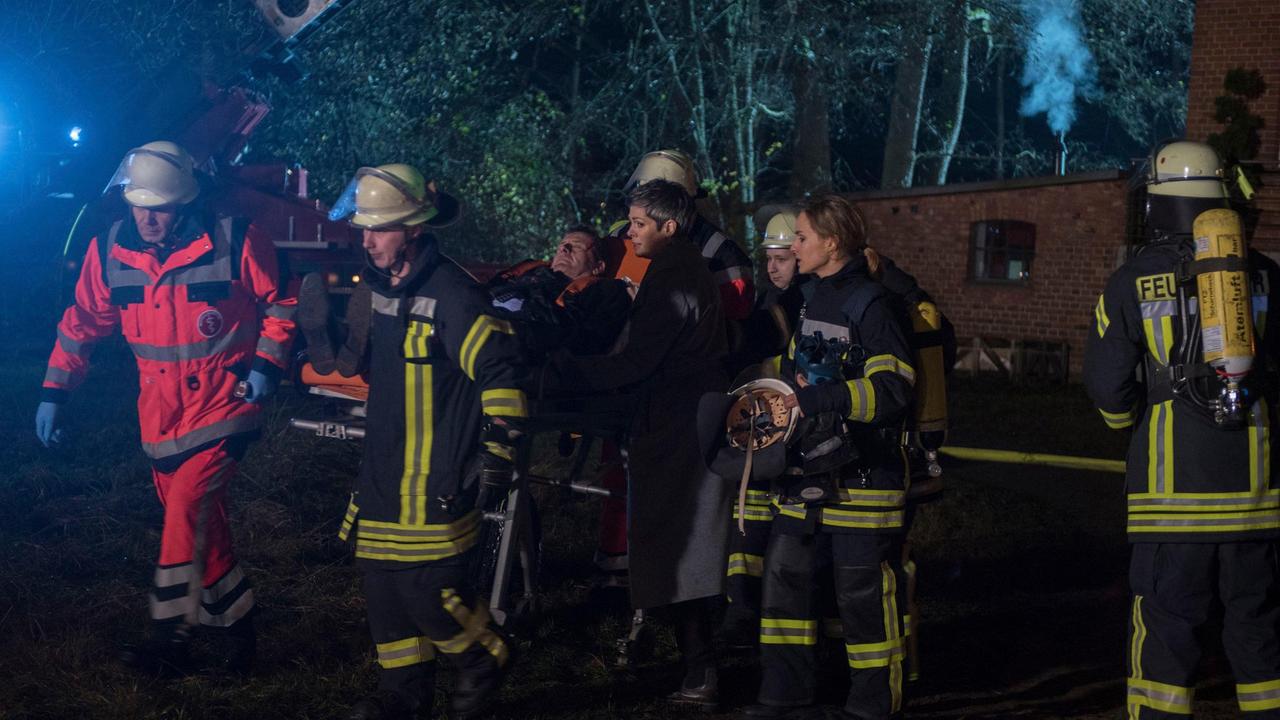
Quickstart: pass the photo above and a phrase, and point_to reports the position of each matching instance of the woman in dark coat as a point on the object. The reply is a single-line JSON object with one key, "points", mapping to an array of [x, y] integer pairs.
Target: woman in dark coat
{"points": [[672, 354]]}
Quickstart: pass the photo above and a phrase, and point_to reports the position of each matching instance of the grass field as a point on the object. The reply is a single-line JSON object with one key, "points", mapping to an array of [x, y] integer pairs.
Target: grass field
{"points": [[1022, 575]]}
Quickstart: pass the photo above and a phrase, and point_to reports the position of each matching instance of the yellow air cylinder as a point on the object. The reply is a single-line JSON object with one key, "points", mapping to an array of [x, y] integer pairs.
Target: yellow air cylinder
{"points": [[1226, 311], [931, 380]]}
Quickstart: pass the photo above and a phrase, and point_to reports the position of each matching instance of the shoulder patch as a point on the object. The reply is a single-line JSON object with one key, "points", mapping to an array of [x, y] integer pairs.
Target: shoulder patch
{"points": [[1156, 287]]}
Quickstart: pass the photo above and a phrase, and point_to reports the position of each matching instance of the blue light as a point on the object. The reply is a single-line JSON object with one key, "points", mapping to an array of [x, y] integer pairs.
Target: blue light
{"points": [[75, 134]]}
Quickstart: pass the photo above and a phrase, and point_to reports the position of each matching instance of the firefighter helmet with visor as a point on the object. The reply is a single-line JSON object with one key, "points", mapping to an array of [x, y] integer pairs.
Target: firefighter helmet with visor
{"points": [[157, 174]]}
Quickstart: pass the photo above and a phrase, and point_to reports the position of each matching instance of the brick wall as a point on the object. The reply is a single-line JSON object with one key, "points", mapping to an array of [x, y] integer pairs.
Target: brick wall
{"points": [[1240, 33], [1080, 224]]}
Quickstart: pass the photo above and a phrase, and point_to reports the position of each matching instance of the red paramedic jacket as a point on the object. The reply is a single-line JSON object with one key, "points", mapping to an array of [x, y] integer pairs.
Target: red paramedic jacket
{"points": [[197, 322]]}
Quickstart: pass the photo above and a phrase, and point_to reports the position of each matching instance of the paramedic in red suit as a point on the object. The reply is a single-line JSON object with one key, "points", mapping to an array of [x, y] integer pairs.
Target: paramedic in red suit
{"points": [[201, 304]]}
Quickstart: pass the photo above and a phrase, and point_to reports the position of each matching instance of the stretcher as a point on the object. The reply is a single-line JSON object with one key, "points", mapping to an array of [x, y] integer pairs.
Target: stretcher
{"points": [[514, 519]]}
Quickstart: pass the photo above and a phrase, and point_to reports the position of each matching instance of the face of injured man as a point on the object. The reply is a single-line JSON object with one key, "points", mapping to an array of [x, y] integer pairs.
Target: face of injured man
{"points": [[576, 257], [781, 266]]}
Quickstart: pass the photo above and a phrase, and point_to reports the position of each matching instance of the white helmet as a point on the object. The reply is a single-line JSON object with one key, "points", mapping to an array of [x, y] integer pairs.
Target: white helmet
{"points": [[394, 195], [1186, 169], [780, 232], [671, 165], [157, 174]]}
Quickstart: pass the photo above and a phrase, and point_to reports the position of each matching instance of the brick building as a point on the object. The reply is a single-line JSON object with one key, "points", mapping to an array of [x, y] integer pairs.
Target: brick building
{"points": [[1024, 260]]}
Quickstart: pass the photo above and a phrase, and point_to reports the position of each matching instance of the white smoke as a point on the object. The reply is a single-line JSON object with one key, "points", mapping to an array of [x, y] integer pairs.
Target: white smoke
{"points": [[1059, 67]]}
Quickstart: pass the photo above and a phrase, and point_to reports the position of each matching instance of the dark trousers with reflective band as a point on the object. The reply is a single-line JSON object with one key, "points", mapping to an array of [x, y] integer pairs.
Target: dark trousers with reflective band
{"points": [[197, 580], [746, 560], [1174, 587], [422, 611], [867, 582]]}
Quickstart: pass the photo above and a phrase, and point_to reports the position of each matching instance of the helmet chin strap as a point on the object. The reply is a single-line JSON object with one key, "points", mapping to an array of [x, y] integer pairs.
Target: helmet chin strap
{"points": [[396, 265]]}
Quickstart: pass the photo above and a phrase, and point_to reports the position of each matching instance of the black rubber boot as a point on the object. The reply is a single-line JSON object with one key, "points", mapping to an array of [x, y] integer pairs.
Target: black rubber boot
{"points": [[313, 320], [476, 684], [243, 648], [359, 315], [381, 706], [704, 696], [162, 658]]}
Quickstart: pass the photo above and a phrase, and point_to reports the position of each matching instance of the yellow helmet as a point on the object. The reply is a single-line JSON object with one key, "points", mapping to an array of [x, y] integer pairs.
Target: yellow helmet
{"points": [[1186, 169], [780, 232], [671, 165], [157, 174]]}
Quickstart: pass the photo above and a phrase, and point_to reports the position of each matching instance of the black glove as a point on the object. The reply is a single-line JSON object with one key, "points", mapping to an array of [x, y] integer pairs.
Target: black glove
{"points": [[491, 476]]}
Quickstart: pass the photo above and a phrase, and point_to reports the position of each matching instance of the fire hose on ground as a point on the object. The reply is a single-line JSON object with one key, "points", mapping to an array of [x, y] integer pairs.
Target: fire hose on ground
{"points": [[1071, 462]]}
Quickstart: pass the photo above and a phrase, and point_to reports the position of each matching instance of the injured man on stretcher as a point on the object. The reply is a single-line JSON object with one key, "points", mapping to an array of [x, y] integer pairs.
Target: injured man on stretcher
{"points": [[572, 303]]}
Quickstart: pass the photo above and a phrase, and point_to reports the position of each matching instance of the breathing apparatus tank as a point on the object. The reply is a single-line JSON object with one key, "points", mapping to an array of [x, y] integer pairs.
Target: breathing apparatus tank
{"points": [[1225, 307], [930, 416]]}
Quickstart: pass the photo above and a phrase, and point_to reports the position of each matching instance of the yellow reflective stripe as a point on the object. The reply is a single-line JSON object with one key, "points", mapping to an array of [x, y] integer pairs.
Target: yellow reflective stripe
{"points": [[1159, 696], [1100, 314], [758, 497], [419, 425], [888, 363], [475, 628], [865, 519], [796, 511], [1201, 502], [376, 530], [504, 402], [476, 337], [1160, 448], [1137, 640], [499, 449], [862, 400], [875, 655], [1259, 446], [1203, 522], [874, 498], [774, 364], [403, 653], [892, 631], [1254, 697], [746, 564], [413, 551], [754, 513], [417, 340], [349, 520], [1120, 420], [782, 631]]}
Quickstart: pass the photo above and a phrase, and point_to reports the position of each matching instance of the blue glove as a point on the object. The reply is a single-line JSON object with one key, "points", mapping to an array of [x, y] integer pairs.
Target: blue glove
{"points": [[260, 387], [47, 424]]}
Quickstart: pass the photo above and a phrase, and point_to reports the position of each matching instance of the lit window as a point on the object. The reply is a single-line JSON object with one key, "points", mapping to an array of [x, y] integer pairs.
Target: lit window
{"points": [[1001, 250]]}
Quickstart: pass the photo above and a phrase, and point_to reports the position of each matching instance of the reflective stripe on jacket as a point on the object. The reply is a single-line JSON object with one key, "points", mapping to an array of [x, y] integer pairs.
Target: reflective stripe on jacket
{"points": [[215, 307], [1187, 479]]}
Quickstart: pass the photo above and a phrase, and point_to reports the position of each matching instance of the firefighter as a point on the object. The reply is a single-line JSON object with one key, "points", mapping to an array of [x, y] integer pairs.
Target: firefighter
{"points": [[767, 333], [677, 511], [1203, 504], [200, 301], [443, 411], [841, 502]]}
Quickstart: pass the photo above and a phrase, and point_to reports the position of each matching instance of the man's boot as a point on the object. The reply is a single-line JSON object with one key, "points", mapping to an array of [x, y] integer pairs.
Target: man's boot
{"points": [[313, 320], [243, 650], [382, 705], [359, 316], [701, 692], [163, 655], [476, 684]]}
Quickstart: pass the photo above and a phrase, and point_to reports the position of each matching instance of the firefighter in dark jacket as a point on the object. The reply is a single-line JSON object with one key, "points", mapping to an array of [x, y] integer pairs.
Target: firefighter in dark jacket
{"points": [[443, 407], [1203, 503], [201, 303], [678, 511], [843, 504], [767, 333]]}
